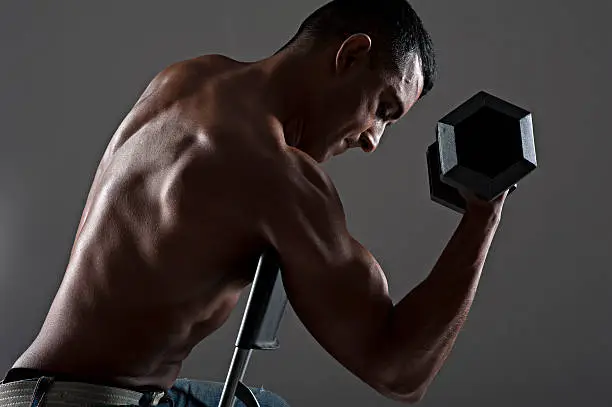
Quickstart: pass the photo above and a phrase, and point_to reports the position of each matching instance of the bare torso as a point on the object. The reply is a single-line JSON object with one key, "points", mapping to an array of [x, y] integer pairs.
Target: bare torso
{"points": [[167, 242]]}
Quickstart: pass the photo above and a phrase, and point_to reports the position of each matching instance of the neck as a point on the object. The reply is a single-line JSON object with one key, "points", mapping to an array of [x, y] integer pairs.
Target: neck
{"points": [[287, 91]]}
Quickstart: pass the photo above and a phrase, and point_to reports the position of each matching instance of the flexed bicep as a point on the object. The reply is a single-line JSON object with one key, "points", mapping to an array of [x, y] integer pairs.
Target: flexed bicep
{"points": [[333, 283]]}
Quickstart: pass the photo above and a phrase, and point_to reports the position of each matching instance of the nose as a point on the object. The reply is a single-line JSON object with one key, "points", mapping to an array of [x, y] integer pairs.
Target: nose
{"points": [[369, 141]]}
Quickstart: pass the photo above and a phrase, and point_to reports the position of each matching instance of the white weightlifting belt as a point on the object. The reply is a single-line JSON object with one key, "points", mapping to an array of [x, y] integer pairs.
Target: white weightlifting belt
{"points": [[67, 394]]}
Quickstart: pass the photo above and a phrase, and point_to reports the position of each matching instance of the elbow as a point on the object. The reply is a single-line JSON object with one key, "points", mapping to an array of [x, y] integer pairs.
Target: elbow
{"points": [[398, 379], [403, 391], [404, 395]]}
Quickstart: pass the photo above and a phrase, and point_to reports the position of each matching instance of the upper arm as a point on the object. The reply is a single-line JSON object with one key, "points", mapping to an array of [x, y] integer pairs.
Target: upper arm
{"points": [[334, 284]]}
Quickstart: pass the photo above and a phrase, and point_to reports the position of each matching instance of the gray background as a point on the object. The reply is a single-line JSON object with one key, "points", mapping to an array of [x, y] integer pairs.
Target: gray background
{"points": [[538, 333]]}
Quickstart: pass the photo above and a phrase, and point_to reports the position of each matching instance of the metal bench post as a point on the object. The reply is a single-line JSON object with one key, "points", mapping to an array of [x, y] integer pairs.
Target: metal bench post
{"points": [[262, 316]]}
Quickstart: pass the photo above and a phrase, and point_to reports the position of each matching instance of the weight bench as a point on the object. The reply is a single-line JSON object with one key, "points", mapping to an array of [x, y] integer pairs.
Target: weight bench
{"points": [[258, 330]]}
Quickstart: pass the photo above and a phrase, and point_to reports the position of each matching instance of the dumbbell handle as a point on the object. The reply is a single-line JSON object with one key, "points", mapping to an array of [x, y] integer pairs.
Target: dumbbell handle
{"points": [[441, 192]]}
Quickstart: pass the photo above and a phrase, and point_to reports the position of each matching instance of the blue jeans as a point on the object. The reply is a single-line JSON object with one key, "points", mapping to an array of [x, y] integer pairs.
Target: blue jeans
{"points": [[196, 393]]}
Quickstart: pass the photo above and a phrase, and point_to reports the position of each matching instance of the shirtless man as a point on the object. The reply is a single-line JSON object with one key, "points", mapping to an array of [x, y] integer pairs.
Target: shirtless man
{"points": [[217, 161]]}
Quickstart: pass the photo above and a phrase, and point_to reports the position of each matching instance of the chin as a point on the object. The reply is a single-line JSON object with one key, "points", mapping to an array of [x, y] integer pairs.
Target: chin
{"points": [[322, 159], [328, 155], [319, 156], [322, 153]]}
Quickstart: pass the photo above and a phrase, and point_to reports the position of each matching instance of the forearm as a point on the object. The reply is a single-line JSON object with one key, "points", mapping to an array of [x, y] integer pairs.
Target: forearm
{"points": [[425, 323]]}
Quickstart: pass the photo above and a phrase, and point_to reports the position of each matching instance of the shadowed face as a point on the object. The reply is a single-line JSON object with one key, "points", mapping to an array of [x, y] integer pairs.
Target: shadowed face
{"points": [[356, 102]]}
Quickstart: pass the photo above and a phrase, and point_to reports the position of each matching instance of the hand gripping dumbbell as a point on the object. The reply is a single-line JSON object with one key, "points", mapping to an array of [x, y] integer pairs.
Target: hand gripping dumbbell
{"points": [[484, 146]]}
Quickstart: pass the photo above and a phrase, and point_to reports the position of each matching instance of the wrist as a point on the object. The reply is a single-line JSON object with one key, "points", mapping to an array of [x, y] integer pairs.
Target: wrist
{"points": [[488, 216]]}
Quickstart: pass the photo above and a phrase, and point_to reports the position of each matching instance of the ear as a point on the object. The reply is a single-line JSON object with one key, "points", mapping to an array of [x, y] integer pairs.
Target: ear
{"points": [[354, 49]]}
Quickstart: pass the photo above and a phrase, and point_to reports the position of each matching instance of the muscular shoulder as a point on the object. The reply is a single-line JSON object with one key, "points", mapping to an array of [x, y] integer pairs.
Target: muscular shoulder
{"points": [[183, 78], [298, 178], [303, 215]]}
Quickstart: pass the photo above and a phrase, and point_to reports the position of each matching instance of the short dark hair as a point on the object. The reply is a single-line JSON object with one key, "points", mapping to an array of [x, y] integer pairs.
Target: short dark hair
{"points": [[391, 22]]}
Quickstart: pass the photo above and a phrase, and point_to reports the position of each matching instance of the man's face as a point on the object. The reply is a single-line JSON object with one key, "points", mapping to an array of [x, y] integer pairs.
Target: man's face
{"points": [[359, 102]]}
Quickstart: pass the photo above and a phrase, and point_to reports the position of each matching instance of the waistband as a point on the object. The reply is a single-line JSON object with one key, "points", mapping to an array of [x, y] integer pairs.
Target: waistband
{"points": [[21, 386]]}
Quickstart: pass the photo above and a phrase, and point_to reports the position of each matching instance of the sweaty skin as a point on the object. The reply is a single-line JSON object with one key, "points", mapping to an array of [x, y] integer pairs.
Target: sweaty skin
{"points": [[195, 184]]}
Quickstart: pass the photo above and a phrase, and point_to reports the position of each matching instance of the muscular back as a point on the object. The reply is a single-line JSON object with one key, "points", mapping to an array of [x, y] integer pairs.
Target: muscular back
{"points": [[193, 187], [168, 238]]}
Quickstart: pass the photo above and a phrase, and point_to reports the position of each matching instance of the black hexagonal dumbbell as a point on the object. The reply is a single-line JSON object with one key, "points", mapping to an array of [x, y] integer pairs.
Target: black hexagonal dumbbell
{"points": [[485, 146]]}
